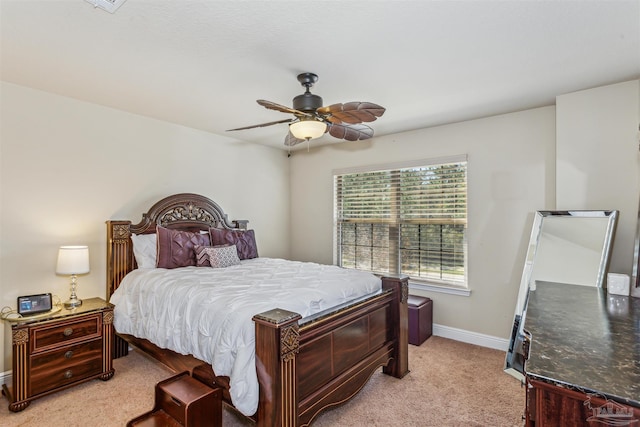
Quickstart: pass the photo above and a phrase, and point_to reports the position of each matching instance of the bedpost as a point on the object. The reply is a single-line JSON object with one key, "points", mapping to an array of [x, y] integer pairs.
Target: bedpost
{"points": [[399, 366], [119, 253], [119, 263], [277, 345]]}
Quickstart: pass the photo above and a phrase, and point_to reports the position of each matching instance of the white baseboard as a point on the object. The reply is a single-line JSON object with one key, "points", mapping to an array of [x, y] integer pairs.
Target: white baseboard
{"points": [[470, 337]]}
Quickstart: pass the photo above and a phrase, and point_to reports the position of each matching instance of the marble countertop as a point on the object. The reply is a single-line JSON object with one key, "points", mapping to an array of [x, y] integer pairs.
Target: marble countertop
{"points": [[584, 339]]}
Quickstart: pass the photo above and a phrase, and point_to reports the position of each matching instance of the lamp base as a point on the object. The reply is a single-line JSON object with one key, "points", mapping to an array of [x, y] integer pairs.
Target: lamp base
{"points": [[72, 303]]}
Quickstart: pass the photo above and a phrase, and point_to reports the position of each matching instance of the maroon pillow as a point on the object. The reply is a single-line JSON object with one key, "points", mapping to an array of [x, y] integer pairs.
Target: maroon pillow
{"points": [[176, 247], [245, 241]]}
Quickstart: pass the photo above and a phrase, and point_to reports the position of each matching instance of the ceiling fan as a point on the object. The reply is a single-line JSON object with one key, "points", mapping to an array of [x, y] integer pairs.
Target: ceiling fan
{"points": [[312, 120]]}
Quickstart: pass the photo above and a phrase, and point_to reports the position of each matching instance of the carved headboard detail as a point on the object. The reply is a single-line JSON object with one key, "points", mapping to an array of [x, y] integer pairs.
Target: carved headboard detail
{"points": [[184, 211]]}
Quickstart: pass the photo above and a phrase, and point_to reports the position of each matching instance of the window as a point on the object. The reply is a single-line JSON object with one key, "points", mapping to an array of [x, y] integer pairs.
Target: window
{"points": [[408, 218]]}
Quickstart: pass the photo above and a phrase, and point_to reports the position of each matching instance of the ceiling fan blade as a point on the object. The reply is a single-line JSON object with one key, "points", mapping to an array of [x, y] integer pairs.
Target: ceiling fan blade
{"points": [[351, 132], [352, 112], [291, 140], [284, 109], [263, 125]]}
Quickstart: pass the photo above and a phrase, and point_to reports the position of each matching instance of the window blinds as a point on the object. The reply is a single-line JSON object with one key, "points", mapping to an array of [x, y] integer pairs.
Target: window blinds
{"points": [[409, 220]]}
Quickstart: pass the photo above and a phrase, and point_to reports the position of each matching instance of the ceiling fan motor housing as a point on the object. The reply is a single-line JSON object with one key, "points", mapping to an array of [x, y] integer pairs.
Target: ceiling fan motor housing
{"points": [[307, 102]]}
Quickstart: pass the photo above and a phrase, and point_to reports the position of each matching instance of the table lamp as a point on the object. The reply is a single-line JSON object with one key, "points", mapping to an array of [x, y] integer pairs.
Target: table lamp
{"points": [[73, 260]]}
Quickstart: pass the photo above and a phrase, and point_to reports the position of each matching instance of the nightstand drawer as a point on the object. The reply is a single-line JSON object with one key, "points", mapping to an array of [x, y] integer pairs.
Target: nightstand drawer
{"points": [[57, 368], [57, 334]]}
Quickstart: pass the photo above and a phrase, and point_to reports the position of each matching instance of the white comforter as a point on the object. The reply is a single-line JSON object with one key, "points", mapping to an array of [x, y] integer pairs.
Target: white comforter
{"points": [[207, 312]]}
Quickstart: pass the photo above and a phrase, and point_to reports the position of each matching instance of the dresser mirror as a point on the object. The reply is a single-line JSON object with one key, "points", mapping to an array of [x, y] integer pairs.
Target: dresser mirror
{"points": [[571, 247]]}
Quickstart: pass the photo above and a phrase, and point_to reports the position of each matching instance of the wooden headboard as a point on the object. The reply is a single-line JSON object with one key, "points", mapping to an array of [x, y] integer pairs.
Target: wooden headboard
{"points": [[184, 211]]}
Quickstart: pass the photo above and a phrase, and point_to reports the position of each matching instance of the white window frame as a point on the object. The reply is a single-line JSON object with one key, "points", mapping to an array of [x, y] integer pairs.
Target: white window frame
{"points": [[417, 283]]}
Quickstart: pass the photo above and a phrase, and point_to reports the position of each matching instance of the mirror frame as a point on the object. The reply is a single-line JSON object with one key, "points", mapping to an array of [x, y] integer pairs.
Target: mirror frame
{"points": [[635, 277], [518, 349]]}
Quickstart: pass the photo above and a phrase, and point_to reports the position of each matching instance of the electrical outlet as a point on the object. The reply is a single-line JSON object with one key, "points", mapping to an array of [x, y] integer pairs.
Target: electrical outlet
{"points": [[618, 284]]}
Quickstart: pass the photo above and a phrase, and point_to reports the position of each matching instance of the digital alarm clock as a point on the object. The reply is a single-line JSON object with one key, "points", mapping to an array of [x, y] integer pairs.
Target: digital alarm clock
{"points": [[34, 304]]}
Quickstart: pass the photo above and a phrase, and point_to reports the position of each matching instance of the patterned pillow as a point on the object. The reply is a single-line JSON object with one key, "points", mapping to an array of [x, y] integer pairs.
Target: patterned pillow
{"points": [[245, 241], [202, 256], [202, 259], [222, 256], [176, 247]]}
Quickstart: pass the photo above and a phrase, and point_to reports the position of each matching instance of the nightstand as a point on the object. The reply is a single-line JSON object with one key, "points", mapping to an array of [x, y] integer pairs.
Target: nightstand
{"points": [[51, 353]]}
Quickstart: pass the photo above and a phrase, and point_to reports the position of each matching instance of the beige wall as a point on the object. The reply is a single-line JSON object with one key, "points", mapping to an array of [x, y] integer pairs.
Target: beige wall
{"points": [[599, 161], [67, 166], [511, 168]]}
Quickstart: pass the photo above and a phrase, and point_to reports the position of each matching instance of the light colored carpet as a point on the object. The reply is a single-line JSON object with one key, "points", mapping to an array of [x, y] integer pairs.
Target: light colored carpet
{"points": [[450, 384]]}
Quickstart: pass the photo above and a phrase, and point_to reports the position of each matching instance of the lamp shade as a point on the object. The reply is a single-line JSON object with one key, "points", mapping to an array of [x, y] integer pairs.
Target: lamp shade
{"points": [[308, 129], [73, 260]]}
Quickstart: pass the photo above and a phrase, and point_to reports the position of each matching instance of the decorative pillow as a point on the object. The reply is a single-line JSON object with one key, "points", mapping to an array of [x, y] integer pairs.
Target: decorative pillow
{"points": [[176, 247], [222, 256], [245, 241], [144, 250], [202, 259], [202, 256]]}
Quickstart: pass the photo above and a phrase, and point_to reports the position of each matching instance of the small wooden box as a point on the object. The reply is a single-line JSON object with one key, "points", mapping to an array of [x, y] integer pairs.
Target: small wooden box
{"points": [[420, 319], [183, 401]]}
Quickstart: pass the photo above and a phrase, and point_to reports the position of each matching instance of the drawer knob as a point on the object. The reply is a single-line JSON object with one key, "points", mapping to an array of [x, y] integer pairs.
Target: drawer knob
{"points": [[68, 374], [68, 332], [68, 354]]}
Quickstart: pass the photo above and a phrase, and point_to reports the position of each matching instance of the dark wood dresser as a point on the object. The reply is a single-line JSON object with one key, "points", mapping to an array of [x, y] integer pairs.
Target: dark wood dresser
{"points": [[583, 366], [64, 349]]}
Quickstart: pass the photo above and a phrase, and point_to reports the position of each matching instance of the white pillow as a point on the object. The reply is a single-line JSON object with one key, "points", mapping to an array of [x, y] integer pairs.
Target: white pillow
{"points": [[144, 249]]}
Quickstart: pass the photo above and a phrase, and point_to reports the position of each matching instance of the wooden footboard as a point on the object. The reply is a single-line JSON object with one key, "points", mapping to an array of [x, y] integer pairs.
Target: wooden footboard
{"points": [[303, 365]]}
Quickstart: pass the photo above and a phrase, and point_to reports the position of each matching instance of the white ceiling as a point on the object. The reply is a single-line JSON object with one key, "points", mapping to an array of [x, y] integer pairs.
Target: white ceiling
{"points": [[203, 64]]}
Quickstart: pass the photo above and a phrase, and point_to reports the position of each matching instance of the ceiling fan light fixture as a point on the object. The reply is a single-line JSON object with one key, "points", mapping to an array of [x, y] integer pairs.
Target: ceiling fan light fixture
{"points": [[308, 129]]}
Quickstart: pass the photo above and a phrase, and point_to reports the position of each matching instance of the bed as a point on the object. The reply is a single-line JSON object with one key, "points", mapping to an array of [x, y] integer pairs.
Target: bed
{"points": [[305, 361]]}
